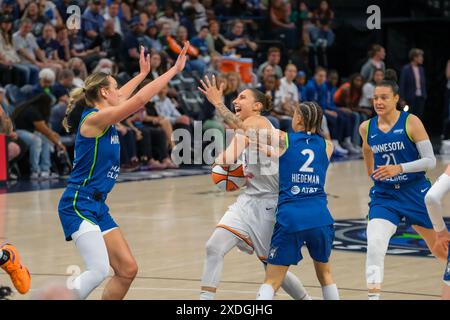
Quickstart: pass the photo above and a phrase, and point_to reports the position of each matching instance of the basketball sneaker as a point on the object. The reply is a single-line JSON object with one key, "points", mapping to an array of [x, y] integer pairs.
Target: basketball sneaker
{"points": [[20, 276]]}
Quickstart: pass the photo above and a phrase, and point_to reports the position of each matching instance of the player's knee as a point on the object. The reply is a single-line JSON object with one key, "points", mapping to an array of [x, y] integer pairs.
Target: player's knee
{"points": [[325, 278], [213, 250], [431, 199], [128, 269]]}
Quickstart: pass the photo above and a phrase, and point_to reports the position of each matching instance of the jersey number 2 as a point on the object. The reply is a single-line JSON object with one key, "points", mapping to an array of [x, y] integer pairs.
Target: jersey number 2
{"points": [[305, 167]]}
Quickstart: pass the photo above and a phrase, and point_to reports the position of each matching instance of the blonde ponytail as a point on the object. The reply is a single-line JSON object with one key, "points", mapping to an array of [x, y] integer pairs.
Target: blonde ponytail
{"points": [[76, 95], [86, 97]]}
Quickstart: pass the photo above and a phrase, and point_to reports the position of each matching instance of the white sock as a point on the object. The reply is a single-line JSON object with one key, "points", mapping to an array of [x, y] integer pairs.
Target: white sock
{"points": [[266, 292], [374, 296], [207, 295], [294, 287], [330, 292]]}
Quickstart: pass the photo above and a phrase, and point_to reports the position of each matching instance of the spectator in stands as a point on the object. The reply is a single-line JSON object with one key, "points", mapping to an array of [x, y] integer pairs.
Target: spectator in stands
{"points": [[11, 7], [216, 41], [391, 75], [240, 42], [231, 91], [49, 10], [62, 37], [289, 97], [270, 87], [4, 102], [301, 14], [92, 20], [175, 45], [226, 9], [152, 35], [273, 59], [323, 12], [281, 25], [188, 21], [25, 44], [38, 20], [7, 128], [79, 70], [61, 6], [200, 13], [321, 38], [300, 82], [413, 90], [50, 45], [170, 17], [347, 99], [31, 119], [108, 43], [131, 45], [145, 146], [339, 123], [24, 72], [79, 48], [127, 9], [215, 65], [61, 90], [151, 8], [166, 108], [199, 42], [366, 102], [46, 80], [267, 72], [446, 131], [376, 57], [129, 161], [113, 14], [331, 84]]}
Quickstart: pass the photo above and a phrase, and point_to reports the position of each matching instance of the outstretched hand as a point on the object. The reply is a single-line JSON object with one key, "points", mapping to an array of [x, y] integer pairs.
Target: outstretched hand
{"points": [[144, 62], [181, 60], [213, 93]]}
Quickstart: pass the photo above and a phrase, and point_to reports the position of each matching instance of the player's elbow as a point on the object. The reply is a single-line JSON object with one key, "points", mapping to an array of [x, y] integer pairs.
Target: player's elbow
{"points": [[431, 163]]}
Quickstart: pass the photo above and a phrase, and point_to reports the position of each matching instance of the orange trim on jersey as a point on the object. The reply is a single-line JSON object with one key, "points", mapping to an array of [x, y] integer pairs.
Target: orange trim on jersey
{"points": [[240, 236]]}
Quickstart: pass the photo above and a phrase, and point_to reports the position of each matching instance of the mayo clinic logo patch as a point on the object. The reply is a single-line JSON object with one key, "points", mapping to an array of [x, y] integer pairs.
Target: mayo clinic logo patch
{"points": [[350, 235], [398, 131]]}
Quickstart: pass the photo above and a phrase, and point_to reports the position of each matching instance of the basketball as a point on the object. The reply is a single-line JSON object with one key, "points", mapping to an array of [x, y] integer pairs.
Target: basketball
{"points": [[229, 177]]}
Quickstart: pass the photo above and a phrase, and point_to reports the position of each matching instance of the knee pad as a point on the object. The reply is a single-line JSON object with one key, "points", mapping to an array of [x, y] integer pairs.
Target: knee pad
{"points": [[432, 199], [212, 249], [374, 274]]}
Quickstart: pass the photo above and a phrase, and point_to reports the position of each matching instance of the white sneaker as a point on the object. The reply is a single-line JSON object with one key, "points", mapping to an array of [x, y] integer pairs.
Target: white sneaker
{"points": [[357, 148], [338, 148], [34, 176], [349, 146], [49, 175]]}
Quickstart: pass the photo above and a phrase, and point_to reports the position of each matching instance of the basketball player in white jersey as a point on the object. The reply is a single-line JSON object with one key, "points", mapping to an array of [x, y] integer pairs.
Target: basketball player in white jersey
{"points": [[435, 210], [248, 224]]}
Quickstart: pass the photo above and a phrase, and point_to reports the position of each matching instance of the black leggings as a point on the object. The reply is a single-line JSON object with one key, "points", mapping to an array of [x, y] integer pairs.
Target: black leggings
{"points": [[127, 147], [157, 148]]}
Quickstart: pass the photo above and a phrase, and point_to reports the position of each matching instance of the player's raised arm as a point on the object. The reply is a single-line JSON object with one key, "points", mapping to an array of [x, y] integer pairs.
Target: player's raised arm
{"points": [[128, 88], [110, 116]]}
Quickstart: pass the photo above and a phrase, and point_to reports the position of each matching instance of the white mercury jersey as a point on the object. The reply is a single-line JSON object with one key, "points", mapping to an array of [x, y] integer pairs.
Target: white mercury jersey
{"points": [[261, 171]]}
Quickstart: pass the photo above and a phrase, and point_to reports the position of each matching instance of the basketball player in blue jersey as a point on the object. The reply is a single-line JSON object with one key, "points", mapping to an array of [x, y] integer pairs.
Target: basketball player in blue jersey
{"points": [[435, 211], [302, 215], [397, 153], [83, 213]]}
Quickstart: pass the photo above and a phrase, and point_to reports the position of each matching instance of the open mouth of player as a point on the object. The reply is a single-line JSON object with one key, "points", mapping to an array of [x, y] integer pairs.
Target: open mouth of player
{"points": [[237, 110]]}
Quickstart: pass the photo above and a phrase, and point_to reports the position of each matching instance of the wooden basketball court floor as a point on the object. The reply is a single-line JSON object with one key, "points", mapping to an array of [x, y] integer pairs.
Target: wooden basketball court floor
{"points": [[167, 223]]}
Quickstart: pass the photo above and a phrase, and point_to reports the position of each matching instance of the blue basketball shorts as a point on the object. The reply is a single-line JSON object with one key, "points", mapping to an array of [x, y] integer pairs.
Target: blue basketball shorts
{"points": [[80, 204], [404, 202], [285, 248]]}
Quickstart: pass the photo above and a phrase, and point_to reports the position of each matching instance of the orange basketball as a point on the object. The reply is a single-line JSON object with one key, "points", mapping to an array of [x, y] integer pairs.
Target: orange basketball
{"points": [[228, 177]]}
